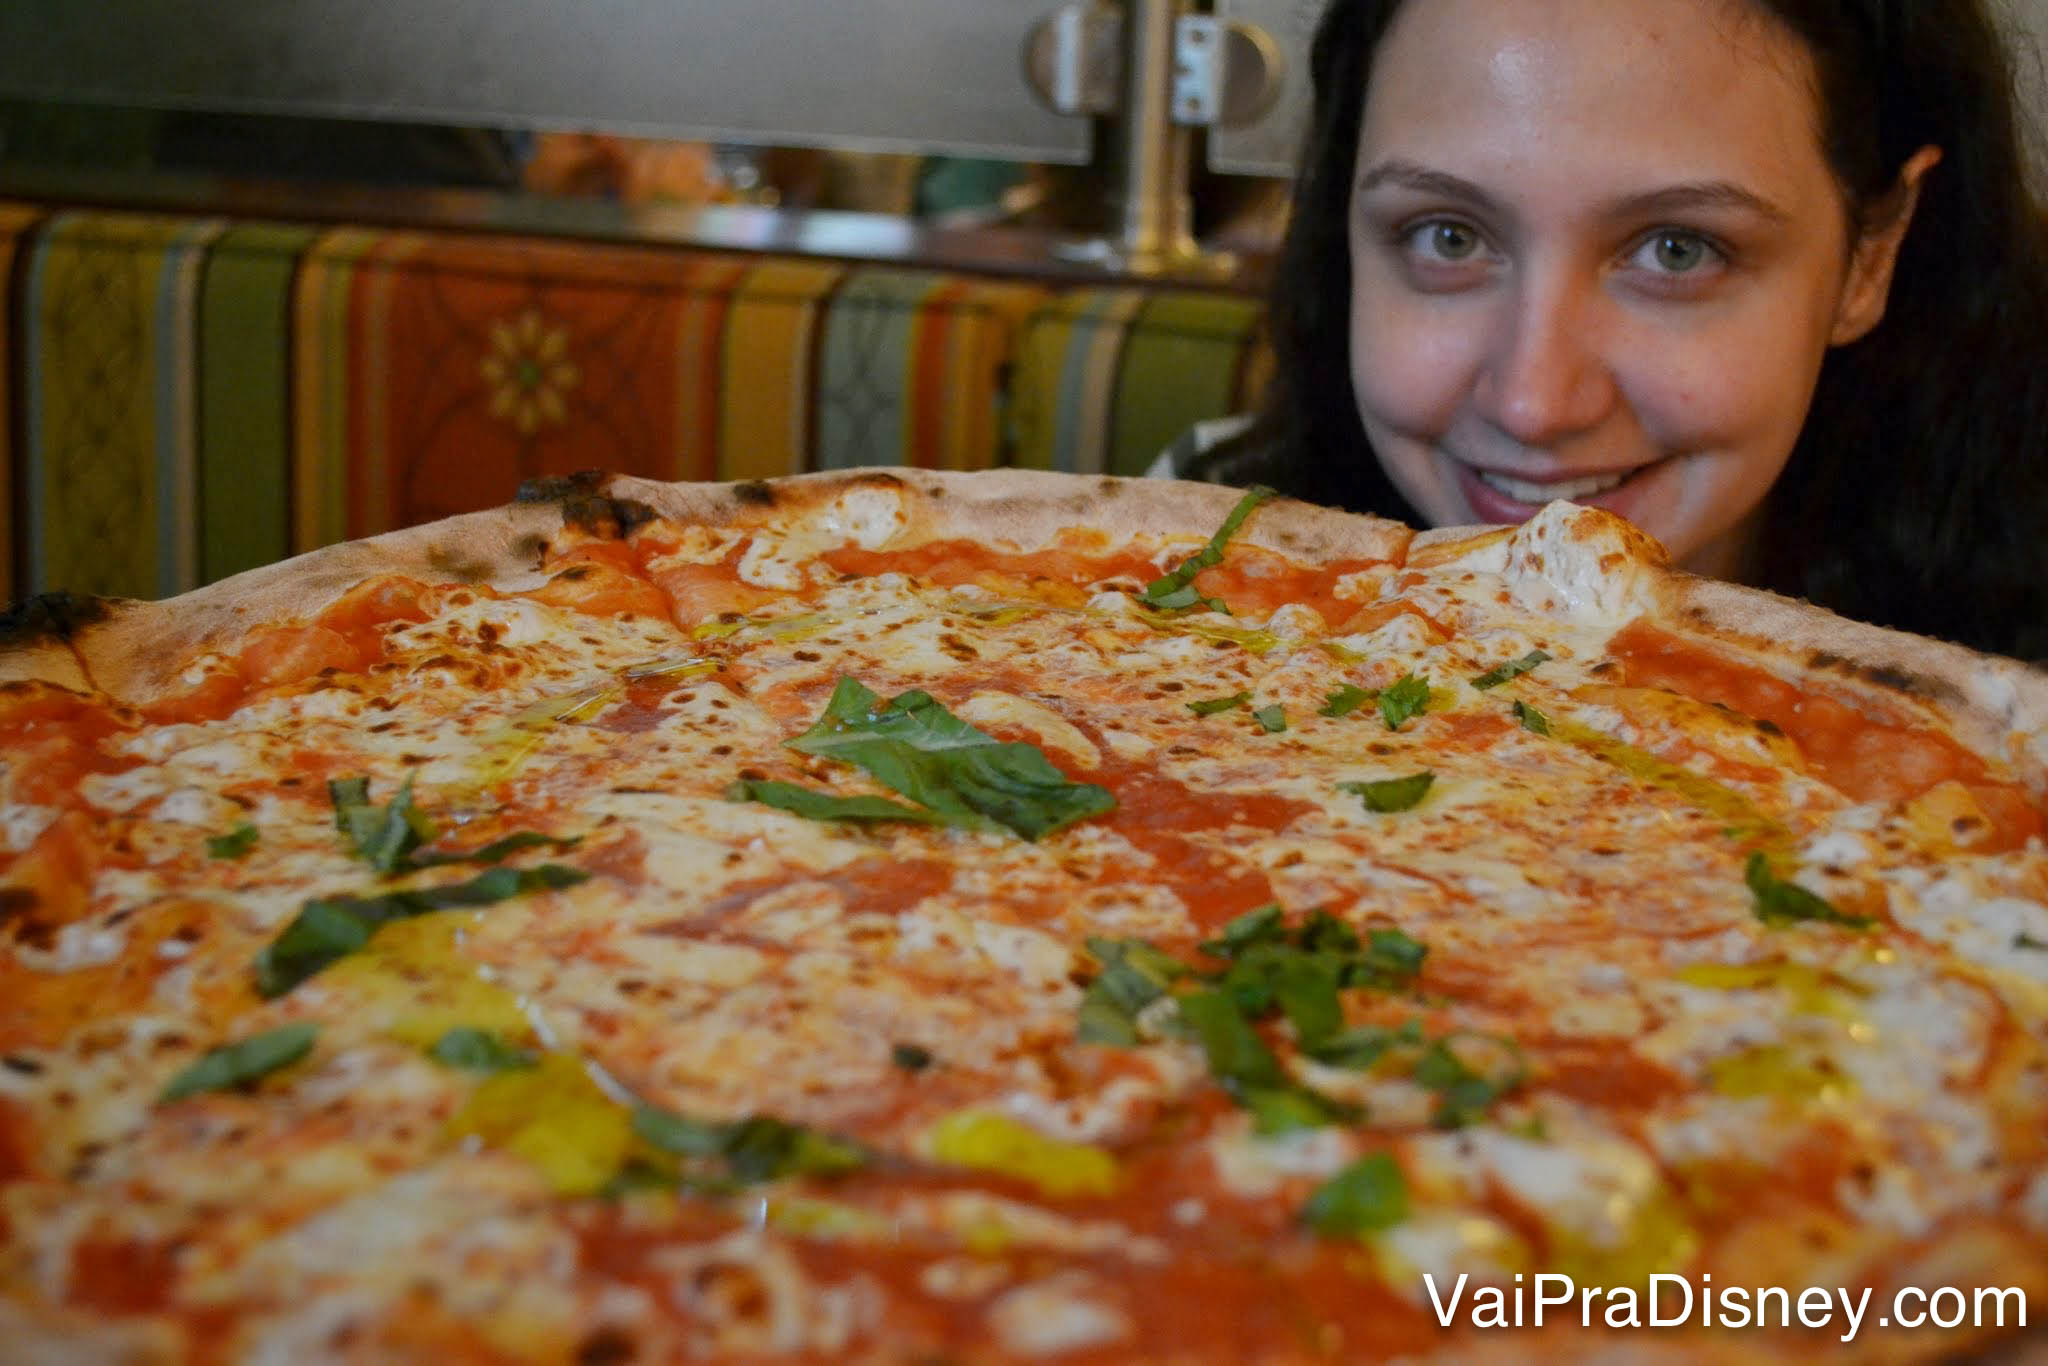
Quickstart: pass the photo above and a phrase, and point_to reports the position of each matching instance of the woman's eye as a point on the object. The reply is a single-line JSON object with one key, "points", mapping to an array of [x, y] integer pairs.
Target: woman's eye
{"points": [[1676, 253], [1444, 240]]}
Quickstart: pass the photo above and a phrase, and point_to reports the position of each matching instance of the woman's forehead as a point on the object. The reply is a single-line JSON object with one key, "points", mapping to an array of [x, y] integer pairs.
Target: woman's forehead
{"points": [[1626, 89]]}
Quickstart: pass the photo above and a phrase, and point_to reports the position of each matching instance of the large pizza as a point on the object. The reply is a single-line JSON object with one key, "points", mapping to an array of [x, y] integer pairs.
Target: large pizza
{"points": [[922, 918]]}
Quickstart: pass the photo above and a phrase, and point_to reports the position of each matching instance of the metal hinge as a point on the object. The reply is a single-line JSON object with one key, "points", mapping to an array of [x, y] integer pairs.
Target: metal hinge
{"points": [[1225, 73]]}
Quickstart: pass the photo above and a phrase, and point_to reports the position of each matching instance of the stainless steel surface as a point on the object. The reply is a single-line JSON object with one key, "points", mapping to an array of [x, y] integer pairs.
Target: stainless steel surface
{"points": [[1269, 142], [926, 75], [1022, 252], [883, 74], [1255, 71], [1074, 58]]}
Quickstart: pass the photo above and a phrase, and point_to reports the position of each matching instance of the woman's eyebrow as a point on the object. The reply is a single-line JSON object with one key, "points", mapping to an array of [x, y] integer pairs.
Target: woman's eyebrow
{"points": [[1696, 195], [1409, 175]]}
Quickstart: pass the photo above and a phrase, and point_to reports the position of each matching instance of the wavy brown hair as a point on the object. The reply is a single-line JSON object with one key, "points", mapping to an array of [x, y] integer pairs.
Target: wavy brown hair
{"points": [[1917, 495]]}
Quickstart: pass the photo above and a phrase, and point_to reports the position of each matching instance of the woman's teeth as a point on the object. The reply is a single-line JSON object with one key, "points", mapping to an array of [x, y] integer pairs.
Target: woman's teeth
{"points": [[1522, 491]]}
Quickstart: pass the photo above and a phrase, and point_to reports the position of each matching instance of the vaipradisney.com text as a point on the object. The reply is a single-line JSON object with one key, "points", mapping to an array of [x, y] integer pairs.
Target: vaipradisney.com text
{"points": [[1672, 1301]]}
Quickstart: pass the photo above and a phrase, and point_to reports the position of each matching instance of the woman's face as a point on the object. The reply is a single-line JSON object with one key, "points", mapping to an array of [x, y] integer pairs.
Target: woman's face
{"points": [[1597, 254]]}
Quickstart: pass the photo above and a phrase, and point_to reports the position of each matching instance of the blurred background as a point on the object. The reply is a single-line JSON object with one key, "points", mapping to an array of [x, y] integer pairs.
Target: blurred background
{"points": [[277, 273]]}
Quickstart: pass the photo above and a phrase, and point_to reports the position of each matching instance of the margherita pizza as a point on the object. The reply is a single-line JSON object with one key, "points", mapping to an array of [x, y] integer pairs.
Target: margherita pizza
{"points": [[913, 917]]}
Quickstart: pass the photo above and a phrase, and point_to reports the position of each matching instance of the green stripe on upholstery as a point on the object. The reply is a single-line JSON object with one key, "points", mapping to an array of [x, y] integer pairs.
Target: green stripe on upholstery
{"points": [[864, 361], [244, 399], [177, 393], [322, 399], [1180, 366], [92, 361], [1088, 379], [1066, 378]]}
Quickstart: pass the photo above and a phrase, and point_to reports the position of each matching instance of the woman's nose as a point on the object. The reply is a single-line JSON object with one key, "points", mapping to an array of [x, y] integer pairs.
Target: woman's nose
{"points": [[1547, 375]]}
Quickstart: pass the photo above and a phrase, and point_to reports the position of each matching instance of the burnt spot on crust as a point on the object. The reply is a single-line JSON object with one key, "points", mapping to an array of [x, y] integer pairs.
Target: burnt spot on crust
{"points": [[754, 493], [15, 901], [1887, 676], [607, 1346], [558, 488], [18, 907], [51, 616], [461, 568], [585, 505]]}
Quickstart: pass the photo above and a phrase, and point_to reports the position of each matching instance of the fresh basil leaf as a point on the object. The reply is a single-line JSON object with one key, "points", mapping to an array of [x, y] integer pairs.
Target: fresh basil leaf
{"points": [[346, 794], [2023, 940], [389, 837], [324, 930], [478, 1050], [1322, 932], [910, 1057], [826, 806], [1238, 1057], [1781, 902], [1134, 975], [1532, 720], [1514, 668], [1346, 700], [766, 1149], [1287, 1109], [497, 851], [641, 1174], [1271, 719], [1366, 1196], [1175, 591], [330, 928], [1209, 706], [1249, 982], [855, 716], [1306, 987], [676, 1135], [1260, 925], [383, 836], [1390, 961], [1360, 1047], [234, 844], [914, 746], [1303, 985], [1393, 794], [1184, 597], [1406, 697], [238, 1064], [1464, 1092]]}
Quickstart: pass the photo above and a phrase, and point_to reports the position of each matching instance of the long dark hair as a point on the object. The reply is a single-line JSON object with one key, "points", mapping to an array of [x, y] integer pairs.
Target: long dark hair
{"points": [[1917, 495]]}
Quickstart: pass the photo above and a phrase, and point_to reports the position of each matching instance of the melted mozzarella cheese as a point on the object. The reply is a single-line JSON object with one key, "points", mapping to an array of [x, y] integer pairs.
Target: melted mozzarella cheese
{"points": [[1060, 1314]]}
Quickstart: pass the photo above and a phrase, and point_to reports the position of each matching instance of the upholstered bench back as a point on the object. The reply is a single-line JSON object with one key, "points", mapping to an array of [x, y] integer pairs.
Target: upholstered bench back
{"points": [[182, 398]]}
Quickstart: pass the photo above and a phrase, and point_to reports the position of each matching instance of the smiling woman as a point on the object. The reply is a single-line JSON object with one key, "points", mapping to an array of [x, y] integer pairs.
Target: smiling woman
{"points": [[1760, 275]]}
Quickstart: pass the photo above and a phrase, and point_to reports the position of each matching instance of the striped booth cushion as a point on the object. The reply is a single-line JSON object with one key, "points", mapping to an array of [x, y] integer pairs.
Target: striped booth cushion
{"points": [[182, 398]]}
